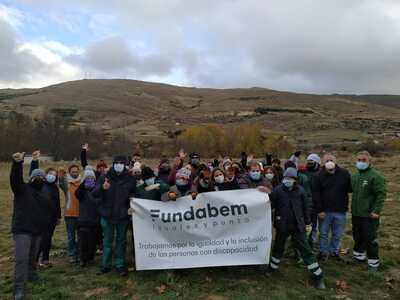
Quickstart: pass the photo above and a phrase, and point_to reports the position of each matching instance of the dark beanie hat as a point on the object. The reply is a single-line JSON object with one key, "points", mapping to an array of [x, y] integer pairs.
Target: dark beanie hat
{"points": [[121, 159], [147, 173], [290, 164]]}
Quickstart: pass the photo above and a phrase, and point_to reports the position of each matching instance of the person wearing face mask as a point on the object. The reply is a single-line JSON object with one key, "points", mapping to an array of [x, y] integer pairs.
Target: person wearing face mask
{"points": [[69, 185], [114, 190], [292, 219], [152, 188], [269, 173], [254, 178], [30, 219], [312, 169], [136, 172], [194, 161], [331, 187], [369, 194], [202, 184], [182, 186], [88, 218], [221, 182], [225, 181], [164, 169], [51, 184]]}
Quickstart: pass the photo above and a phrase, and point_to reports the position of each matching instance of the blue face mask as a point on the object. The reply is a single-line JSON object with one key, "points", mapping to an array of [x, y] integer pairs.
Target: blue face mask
{"points": [[50, 178], [362, 165], [119, 168], [150, 181], [195, 161], [288, 183], [255, 175], [90, 183]]}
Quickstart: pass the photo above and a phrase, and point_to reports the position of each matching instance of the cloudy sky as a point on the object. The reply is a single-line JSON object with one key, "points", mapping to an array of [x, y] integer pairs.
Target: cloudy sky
{"points": [[298, 45]]}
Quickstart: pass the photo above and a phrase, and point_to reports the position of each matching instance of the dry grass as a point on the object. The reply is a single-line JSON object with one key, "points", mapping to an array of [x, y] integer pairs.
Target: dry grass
{"points": [[64, 281]]}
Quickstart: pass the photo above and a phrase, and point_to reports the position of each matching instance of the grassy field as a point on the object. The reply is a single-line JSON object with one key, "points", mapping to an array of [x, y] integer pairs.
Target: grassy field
{"points": [[352, 281]]}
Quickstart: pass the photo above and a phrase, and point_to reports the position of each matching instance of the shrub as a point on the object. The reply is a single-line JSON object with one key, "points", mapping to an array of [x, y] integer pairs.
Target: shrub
{"points": [[214, 140]]}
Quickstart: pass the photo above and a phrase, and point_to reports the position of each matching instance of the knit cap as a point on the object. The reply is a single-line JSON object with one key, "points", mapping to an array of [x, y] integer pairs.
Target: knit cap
{"points": [[290, 172]]}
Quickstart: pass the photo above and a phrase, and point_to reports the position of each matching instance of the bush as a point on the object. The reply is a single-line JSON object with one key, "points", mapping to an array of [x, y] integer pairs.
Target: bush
{"points": [[393, 144], [372, 146], [213, 140]]}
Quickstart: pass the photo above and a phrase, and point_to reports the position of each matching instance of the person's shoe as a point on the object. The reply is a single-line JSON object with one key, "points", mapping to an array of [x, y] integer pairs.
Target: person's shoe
{"points": [[122, 272], [320, 283], [104, 271], [45, 264], [271, 270], [337, 257], [19, 294], [322, 258]]}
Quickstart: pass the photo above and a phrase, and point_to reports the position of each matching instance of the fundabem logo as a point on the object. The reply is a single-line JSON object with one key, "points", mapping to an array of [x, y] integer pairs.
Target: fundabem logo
{"points": [[199, 213]]}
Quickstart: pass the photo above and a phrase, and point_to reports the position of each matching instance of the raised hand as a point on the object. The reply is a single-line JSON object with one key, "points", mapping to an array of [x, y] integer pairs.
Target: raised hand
{"points": [[61, 172], [36, 155], [19, 156], [182, 154], [106, 184], [172, 196]]}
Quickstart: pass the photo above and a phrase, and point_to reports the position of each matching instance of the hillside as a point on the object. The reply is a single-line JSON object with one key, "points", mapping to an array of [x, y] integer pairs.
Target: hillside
{"points": [[155, 111]]}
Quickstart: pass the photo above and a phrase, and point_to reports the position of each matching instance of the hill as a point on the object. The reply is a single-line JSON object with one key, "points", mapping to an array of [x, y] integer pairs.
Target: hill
{"points": [[157, 111]]}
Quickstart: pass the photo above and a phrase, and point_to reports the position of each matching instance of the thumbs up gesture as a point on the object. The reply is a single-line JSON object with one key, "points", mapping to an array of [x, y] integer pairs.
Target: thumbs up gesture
{"points": [[106, 184]]}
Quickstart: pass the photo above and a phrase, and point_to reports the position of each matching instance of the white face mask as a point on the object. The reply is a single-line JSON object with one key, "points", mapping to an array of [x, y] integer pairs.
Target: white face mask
{"points": [[330, 165], [119, 168], [150, 181], [219, 179], [269, 176]]}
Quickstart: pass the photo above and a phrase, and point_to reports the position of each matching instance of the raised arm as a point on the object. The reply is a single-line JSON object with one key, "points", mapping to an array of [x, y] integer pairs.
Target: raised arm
{"points": [[35, 161], [16, 175], [85, 149]]}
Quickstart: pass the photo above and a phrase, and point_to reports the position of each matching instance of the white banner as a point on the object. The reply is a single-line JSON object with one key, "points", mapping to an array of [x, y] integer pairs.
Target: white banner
{"points": [[217, 229]]}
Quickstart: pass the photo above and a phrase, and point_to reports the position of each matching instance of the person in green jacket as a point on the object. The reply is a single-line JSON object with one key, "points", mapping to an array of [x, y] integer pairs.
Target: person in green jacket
{"points": [[152, 189], [369, 193]]}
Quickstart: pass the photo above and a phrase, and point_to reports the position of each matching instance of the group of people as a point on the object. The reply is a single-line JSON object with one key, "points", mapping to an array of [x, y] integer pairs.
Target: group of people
{"points": [[309, 203]]}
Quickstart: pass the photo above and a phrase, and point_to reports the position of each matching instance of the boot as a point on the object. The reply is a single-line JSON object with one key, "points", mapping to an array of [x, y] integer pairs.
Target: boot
{"points": [[19, 294], [320, 283]]}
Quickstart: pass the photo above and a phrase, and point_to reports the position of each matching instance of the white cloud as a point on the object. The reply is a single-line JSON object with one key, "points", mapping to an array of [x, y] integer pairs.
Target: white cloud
{"points": [[12, 16], [308, 45]]}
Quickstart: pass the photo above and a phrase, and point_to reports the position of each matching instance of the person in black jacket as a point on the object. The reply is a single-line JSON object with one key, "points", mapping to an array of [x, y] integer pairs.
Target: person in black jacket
{"points": [[164, 169], [312, 169], [51, 183], [88, 218], [114, 191], [292, 219], [221, 182], [30, 219], [331, 190]]}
